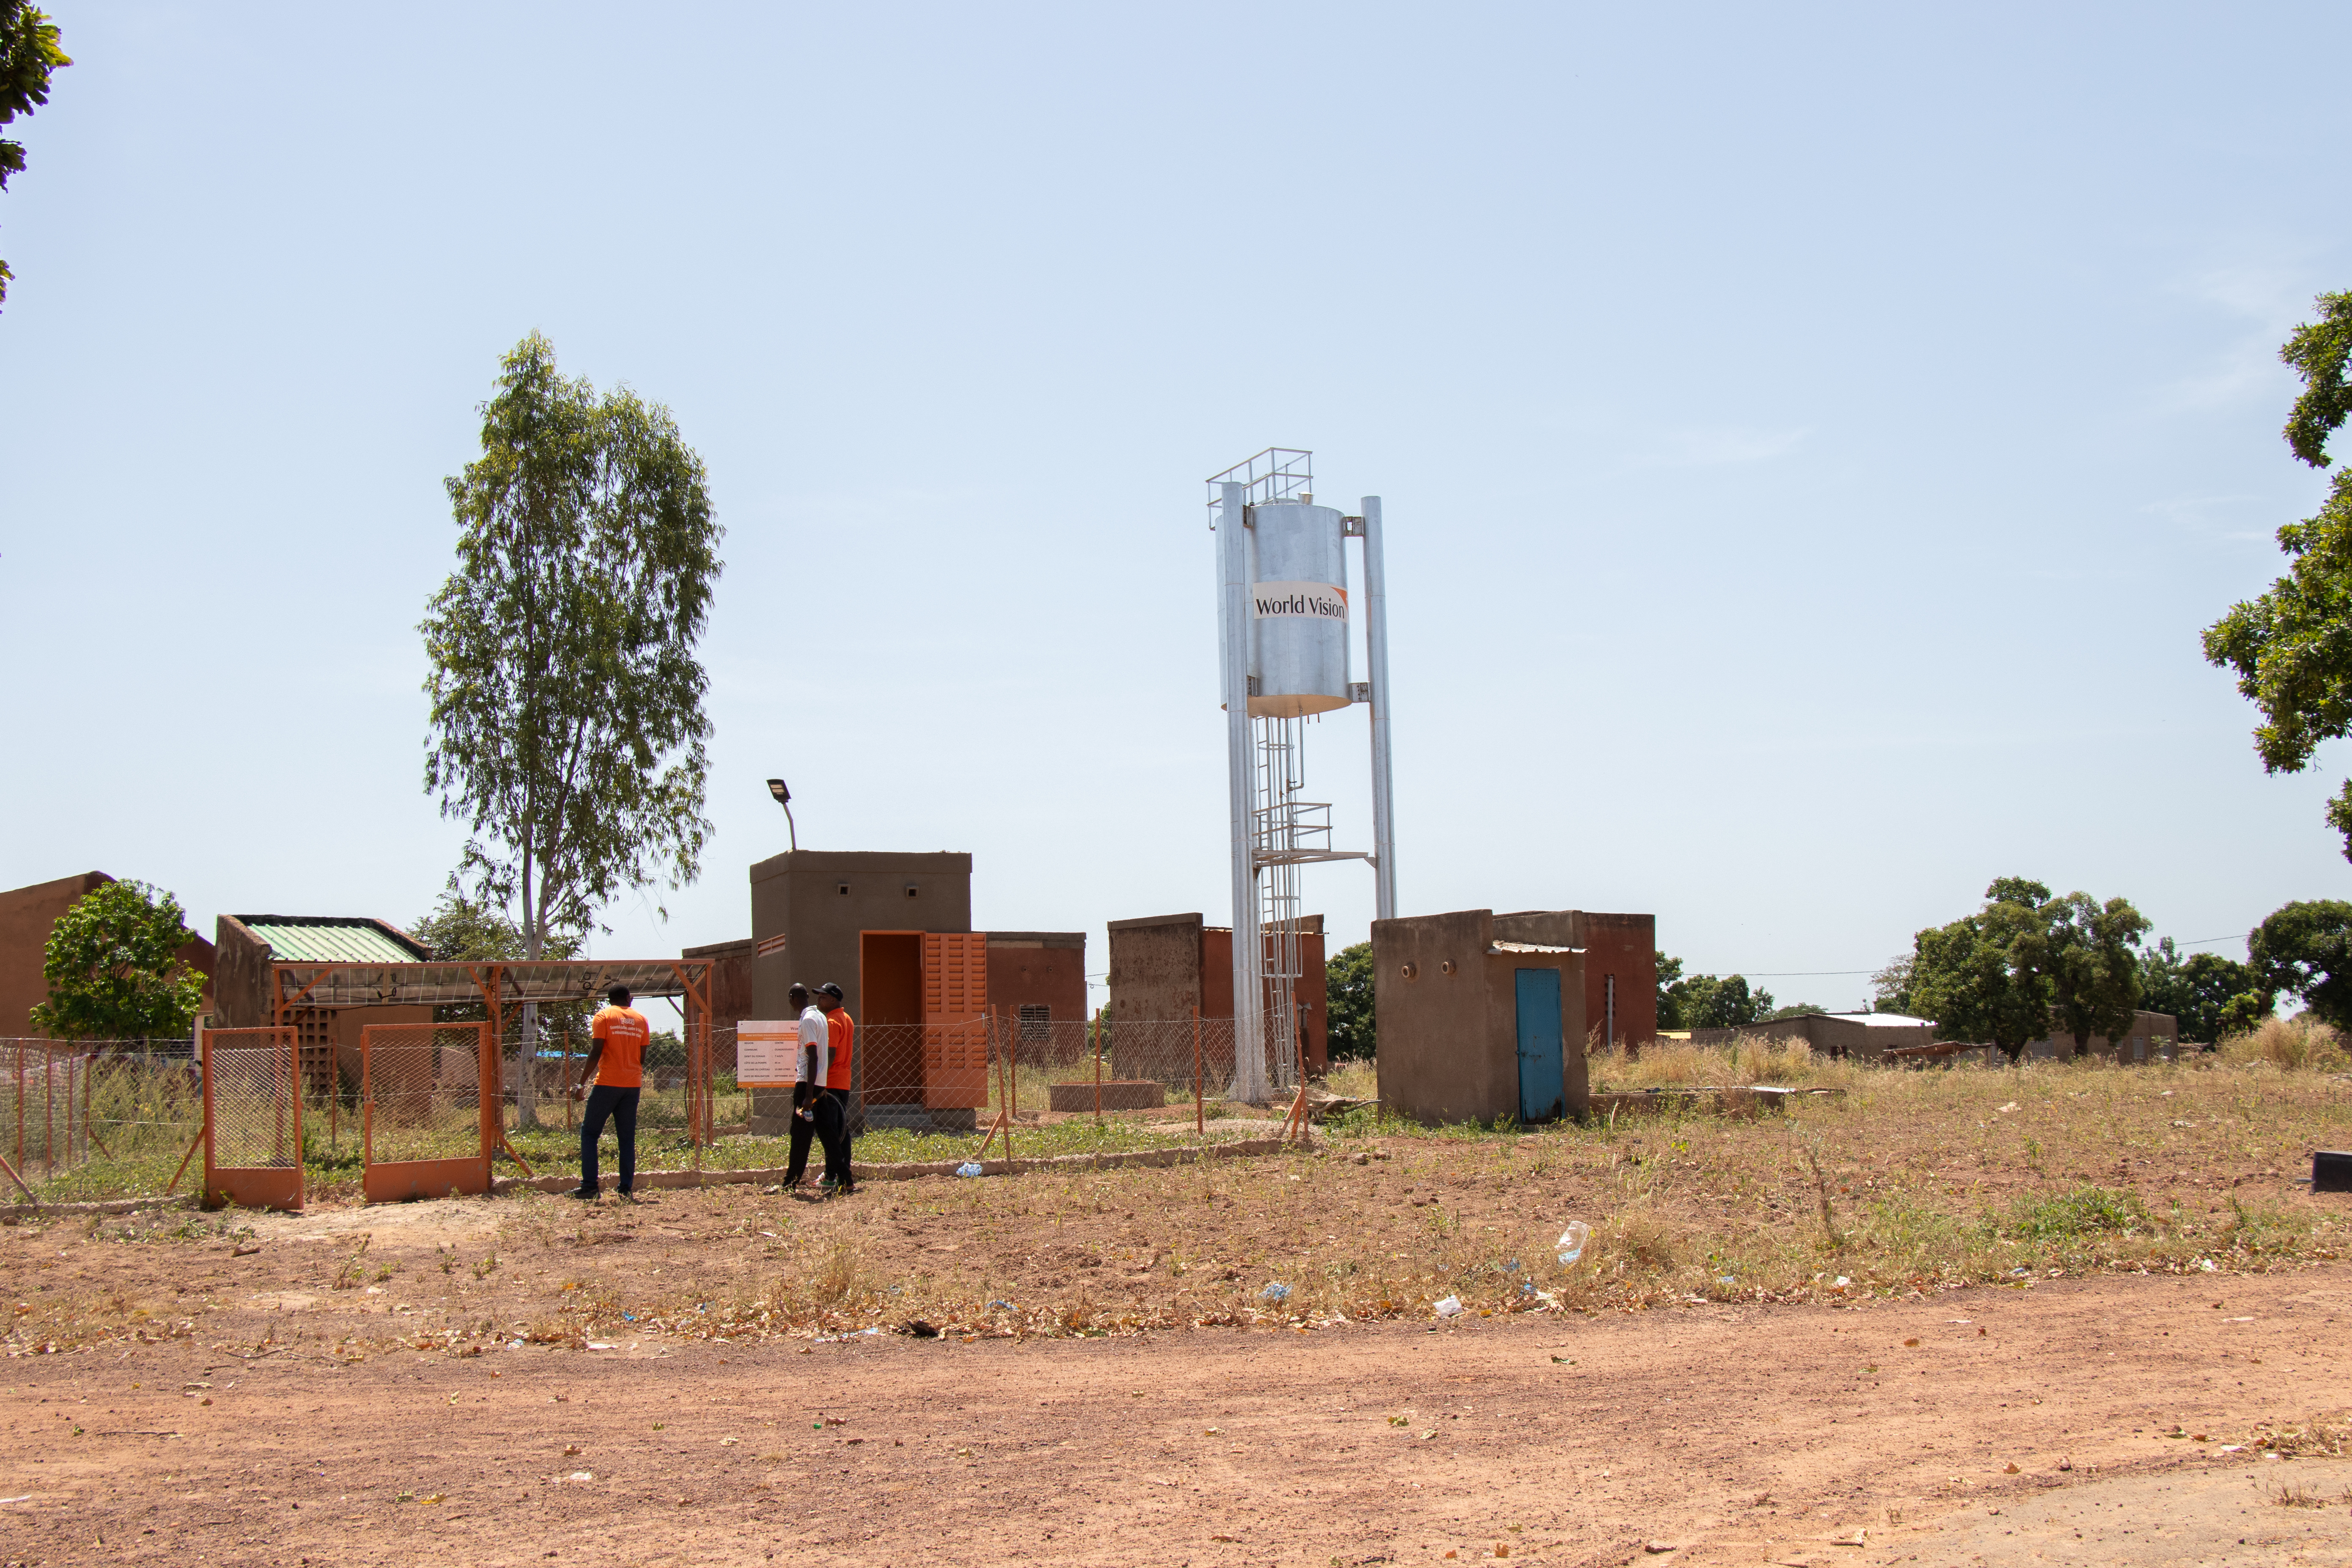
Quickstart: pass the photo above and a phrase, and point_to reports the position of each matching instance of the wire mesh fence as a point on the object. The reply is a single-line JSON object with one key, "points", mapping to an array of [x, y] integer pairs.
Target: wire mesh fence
{"points": [[96, 1119], [118, 1118]]}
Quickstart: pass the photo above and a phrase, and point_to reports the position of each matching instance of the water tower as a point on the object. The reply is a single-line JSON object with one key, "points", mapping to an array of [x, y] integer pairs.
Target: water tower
{"points": [[1283, 609]]}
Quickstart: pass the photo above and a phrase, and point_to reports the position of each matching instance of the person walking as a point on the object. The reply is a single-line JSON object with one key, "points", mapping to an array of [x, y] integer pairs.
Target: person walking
{"points": [[809, 1072], [833, 1119], [616, 1060]]}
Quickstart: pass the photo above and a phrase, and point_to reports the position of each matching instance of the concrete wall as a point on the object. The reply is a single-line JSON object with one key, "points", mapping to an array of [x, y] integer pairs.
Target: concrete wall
{"points": [[2137, 1045], [1622, 950], [1038, 968], [1156, 969], [808, 908], [1163, 966], [26, 914], [240, 976], [803, 927], [1446, 1007]]}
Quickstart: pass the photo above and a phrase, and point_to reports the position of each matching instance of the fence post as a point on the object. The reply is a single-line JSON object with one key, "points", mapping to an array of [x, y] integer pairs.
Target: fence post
{"points": [[1098, 1066], [1199, 1122], [48, 1110]]}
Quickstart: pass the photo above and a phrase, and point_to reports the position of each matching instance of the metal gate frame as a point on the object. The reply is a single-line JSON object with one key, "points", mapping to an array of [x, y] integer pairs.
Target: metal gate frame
{"points": [[396, 1180], [258, 1186]]}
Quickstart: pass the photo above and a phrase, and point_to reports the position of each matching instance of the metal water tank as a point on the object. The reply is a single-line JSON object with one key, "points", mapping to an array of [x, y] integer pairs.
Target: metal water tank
{"points": [[1298, 597]]}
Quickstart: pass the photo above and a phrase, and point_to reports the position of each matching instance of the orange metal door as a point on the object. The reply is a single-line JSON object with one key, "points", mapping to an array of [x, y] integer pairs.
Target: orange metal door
{"points": [[253, 1119], [429, 1116], [955, 1018]]}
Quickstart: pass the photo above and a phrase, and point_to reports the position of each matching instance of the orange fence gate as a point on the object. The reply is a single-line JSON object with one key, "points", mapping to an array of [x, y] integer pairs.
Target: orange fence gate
{"points": [[253, 1119], [428, 1127]]}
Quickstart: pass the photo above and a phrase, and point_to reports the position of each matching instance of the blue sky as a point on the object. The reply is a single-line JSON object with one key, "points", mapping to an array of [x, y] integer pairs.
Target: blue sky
{"points": [[1811, 440]]}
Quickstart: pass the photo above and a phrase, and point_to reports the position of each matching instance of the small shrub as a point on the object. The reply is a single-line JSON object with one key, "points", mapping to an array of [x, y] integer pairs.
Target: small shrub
{"points": [[2291, 1044], [2067, 1217]]}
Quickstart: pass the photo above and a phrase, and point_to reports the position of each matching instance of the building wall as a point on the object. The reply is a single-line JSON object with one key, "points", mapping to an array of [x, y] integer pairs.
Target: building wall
{"points": [[1039, 969], [26, 915], [240, 976], [1163, 966], [2137, 1045], [1622, 947], [804, 928], [1447, 1014], [1156, 969]]}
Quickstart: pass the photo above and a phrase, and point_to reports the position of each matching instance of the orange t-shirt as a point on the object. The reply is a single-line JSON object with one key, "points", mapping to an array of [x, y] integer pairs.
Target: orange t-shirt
{"points": [[839, 1032], [624, 1031]]}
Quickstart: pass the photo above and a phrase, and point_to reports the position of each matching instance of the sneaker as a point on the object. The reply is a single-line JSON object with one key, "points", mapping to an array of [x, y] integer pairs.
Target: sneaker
{"points": [[585, 1195]]}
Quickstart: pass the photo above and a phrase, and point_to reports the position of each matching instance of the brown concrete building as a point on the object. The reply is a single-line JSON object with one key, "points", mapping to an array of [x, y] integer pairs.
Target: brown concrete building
{"points": [[2151, 1035], [1861, 1036], [1481, 1017], [1039, 977], [26, 915], [1620, 977], [245, 946], [1162, 967]]}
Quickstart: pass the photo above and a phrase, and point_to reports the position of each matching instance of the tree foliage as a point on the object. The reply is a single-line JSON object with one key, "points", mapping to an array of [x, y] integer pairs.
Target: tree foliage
{"points": [[2306, 951], [2207, 995], [1980, 977], [113, 969], [1349, 1033], [1669, 1005], [2025, 962], [1707, 1002], [1891, 986], [2292, 648], [29, 54], [568, 724], [2088, 953]]}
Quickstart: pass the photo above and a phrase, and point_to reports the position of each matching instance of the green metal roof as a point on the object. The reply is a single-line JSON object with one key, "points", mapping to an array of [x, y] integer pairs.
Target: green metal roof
{"points": [[329, 939]]}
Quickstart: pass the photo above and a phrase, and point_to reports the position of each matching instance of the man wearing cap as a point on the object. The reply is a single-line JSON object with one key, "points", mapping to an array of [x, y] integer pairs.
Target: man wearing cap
{"points": [[832, 1118], [616, 1057], [809, 1072]]}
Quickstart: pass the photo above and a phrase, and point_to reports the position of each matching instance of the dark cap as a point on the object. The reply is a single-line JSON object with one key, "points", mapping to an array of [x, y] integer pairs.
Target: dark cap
{"points": [[830, 989]]}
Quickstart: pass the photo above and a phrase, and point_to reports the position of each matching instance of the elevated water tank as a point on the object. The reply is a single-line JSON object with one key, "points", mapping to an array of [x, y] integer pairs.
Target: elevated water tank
{"points": [[1298, 617]]}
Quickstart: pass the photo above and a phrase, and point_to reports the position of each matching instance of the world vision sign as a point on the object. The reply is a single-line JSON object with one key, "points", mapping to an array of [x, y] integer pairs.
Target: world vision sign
{"points": [[1315, 601]]}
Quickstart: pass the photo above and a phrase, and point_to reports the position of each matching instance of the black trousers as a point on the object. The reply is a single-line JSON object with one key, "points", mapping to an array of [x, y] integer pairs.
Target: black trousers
{"points": [[832, 1132], [621, 1105], [803, 1131]]}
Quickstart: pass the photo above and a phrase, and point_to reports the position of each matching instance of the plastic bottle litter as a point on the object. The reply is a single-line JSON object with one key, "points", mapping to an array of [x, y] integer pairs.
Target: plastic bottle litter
{"points": [[1275, 1292], [1572, 1240], [1451, 1307], [969, 1168]]}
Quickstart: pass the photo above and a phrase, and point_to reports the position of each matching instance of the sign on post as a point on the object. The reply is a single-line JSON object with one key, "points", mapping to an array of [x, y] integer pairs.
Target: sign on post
{"points": [[765, 1050]]}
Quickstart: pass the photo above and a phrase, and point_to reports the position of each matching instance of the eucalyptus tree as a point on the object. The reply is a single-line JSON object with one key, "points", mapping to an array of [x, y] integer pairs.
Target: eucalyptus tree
{"points": [[567, 726]]}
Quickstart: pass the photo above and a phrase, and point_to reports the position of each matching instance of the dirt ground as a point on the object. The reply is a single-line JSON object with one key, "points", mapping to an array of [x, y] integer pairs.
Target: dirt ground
{"points": [[292, 1422]]}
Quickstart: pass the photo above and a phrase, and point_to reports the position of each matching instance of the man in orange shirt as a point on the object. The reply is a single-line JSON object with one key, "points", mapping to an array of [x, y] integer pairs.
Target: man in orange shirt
{"points": [[833, 1102], [616, 1058]]}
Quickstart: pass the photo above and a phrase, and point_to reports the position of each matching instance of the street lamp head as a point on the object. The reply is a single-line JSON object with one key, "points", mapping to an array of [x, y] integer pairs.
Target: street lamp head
{"points": [[776, 788]]}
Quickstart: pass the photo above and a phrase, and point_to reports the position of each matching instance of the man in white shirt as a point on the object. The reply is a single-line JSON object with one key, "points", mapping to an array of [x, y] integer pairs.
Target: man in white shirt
{"points": [[810, 1065]]}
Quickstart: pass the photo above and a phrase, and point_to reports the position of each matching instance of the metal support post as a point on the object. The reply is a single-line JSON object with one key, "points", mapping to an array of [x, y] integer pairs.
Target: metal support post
{"points": [[1376, 667], [1234, 626]]}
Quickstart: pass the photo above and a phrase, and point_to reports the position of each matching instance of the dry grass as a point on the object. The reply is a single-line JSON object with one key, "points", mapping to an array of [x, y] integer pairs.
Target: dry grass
{"points": [[1905, 1182], [2288, 1044]]}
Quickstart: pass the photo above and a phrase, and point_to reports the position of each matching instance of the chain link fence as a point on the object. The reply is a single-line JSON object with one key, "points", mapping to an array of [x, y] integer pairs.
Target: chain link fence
{"points": [[86, 1120]]}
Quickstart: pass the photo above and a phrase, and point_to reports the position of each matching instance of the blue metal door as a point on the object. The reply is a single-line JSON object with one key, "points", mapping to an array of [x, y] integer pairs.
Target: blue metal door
{"points": [[1543, 1096]]}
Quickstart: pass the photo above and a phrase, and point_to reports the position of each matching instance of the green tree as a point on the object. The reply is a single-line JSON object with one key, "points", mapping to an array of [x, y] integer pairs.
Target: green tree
{"points": [[2306, 951], [1349, 1031], [2208, 996], [28, 54], [1891, 986], [1982, 977], [1670, 1006], [2087, 952], [114, 968], [2292, 648], [1705, 1002], [1794, 1010], [568, 727]]}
